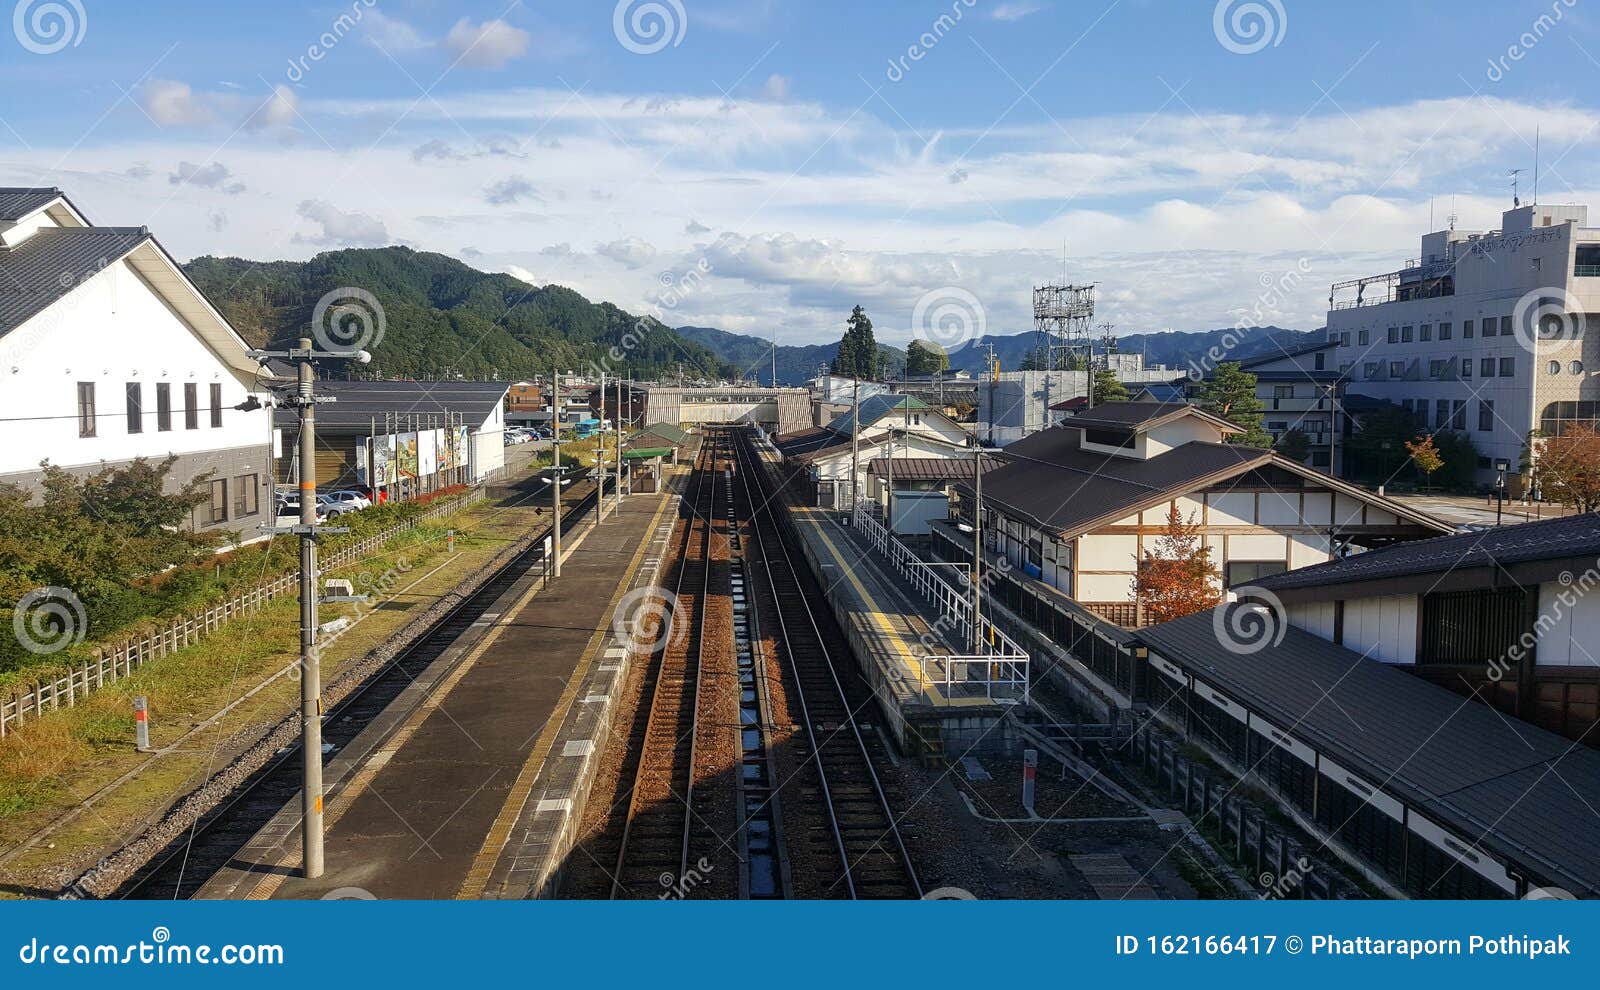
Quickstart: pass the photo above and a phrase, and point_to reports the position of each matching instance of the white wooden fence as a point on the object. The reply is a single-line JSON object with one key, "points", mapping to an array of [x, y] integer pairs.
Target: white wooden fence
{"points": [[112, 664]]}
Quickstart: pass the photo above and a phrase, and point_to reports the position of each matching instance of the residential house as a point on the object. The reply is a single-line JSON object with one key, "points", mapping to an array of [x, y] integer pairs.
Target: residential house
{"points": [[898, 426]]}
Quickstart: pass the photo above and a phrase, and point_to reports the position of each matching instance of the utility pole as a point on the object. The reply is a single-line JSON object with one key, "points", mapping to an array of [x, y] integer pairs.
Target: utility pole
{"points": [[618, 485], [555, 478], [977, 550], [855, 444], [890, 519], [600, 456], [305, 400]]}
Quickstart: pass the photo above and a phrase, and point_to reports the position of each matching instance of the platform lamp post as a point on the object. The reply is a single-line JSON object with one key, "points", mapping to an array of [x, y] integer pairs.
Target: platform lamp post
{"points": [[305, 400], [1502, 466]]}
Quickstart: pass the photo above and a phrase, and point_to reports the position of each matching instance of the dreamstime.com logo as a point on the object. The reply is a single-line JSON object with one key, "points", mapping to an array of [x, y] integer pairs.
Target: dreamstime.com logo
{"points": [[348, 319], [1547, 316], [949, 317], [45, 27], [1251, 624], [159, 951], [49, 619], [643, 619], [650, 26], [1245, 27]]}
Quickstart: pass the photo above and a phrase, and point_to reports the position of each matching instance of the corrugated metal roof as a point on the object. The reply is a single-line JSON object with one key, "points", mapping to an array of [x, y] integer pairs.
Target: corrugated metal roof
{"points": [[1529, 793], [52, 262], [930, 468], [1548, 539], [358, 403]]}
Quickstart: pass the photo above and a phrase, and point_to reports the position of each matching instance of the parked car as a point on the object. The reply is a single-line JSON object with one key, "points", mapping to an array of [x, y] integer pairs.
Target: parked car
{"points": [[359, 497], [338, 503], [289, 509]]}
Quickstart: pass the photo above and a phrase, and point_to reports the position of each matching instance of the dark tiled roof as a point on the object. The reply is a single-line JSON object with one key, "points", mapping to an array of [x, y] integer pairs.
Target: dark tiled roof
{"points": [[54, 261], [17, 202], [358, 403], [1548, 539], [929, 468], [1048, 480], [1527, 791], [1136, 416]]}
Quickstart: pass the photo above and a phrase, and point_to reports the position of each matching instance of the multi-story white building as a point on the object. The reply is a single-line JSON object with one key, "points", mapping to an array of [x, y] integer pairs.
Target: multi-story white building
{"points": [[1484, 333], [109, 353]]}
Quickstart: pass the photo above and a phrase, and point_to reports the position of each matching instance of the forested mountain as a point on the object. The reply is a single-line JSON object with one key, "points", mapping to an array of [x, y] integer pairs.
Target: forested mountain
{"points": [[444, 318], [753, 355]]}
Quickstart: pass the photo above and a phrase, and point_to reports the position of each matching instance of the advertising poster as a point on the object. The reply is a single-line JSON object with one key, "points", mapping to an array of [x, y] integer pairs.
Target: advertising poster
{"points": [[407, 455], [427, 442]]}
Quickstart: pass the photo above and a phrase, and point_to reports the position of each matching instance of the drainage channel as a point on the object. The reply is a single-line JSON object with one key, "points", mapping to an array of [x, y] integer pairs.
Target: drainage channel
{"points": [[765, 868]]}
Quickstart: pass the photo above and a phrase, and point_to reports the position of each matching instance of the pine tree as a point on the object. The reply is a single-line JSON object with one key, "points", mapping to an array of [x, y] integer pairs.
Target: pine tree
{"points": [[1230, 392], [858, 349], [1108, 387], [924, 358]]}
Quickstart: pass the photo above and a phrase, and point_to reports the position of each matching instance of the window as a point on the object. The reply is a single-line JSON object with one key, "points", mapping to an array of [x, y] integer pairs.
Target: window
{"points": [[1344, 338], [1283, 391], [1441, 413], [1458, 414], [1466, 626], [1576, 367], [1426, 332], [1555, 367], [1508, 367], [1245, 571], [191, 406], [246, 495], [1466, 367], [1505, 326], [86, 409], [1320, 360], [1397, 369], [1444, 331], [1370, 369], [218, 509], [1364, 337], [1466, 329], [1435, 368], [1488, 326], [1486, 367], [163, 406], [1558, 415], [1394, 335], [216, 406], [1405, 335], [135, 407], [1485, 415]]}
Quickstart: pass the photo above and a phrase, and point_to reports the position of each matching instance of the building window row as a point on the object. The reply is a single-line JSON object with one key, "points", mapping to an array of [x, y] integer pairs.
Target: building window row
{"points": [[245, 492], [133, 395]]}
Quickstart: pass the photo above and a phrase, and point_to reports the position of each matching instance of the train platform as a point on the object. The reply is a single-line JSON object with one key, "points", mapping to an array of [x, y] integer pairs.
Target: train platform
{"points": [[453, 791], [891, 628]]}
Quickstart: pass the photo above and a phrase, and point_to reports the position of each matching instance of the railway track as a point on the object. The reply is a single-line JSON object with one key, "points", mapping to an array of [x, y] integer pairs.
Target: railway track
{"points": [[185, 866], [844, 814], [654, 852]]}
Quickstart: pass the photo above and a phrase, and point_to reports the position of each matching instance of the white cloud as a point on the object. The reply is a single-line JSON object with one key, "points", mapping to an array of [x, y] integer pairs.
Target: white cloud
{"points": [[1014, 11], [776, 88], [279, 110], [173, 103], [489, 45], [341, 228], [694, 228], [392, 34], [629, 251], [213, 176], [522, 274]]}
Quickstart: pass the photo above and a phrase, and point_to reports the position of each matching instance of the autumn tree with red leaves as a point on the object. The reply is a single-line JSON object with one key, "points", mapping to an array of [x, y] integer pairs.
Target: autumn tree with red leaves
{"points": [[1176, 576], [1568, 467]]}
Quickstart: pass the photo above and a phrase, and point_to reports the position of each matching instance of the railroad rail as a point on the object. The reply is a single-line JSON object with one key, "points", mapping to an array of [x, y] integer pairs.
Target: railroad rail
{"points": [[847, 808], [181, 869], [654, 851]]}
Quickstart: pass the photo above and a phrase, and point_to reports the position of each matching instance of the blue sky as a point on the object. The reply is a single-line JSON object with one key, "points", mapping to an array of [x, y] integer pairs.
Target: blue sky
{"points": [[1205, 163]]}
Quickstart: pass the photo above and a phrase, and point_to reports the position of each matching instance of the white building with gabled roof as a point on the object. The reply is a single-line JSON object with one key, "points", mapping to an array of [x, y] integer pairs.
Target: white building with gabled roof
{"points": [[108, 353]]}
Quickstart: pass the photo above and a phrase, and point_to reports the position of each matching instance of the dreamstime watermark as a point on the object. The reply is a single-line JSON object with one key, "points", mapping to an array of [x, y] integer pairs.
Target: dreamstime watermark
{"points": [[1549, 894], [928, 40], [675, 289], [21, 342], [1547, 316], [350, 894], [348, 319], [1277, 888], [948, 317], [1251, 624], [1245, 27], [328, 40], [45, 27], [1276, 290], [950, 894], [49, 619], [1555, 608], [644, 619], [377, 587], [160, 950], [1528, 40], [645, 27], [677, 888]]}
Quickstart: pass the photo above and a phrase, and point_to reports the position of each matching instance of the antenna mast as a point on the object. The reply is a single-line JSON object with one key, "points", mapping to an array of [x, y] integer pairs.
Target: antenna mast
{"points": [[1061, 316]]}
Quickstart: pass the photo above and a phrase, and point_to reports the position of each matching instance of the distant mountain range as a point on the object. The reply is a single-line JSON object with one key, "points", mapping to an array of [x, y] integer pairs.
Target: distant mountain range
{"points": [[1173, 348]]}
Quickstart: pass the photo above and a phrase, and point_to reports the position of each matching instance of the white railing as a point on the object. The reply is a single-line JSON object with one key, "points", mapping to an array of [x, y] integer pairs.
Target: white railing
{"points": [[117, 662], [1002, 673]]}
